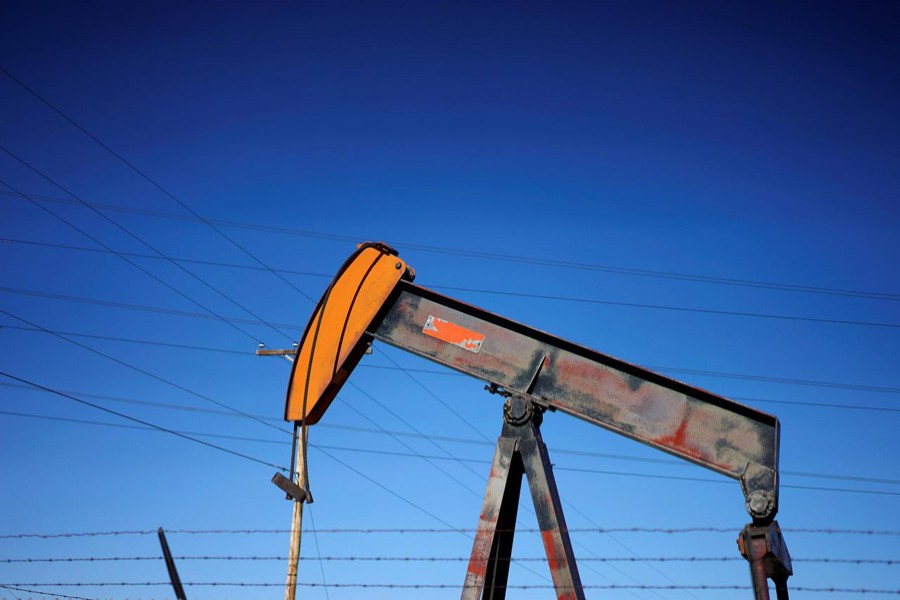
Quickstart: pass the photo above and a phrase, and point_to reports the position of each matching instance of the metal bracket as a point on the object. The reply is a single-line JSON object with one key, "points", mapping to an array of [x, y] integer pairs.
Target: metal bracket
{"points": [[293, 491], [765, 550], [520, 451]]}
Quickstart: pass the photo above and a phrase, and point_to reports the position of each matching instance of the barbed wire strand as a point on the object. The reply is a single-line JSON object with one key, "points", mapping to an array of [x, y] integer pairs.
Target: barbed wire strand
{"points": [[453, 530], [604, 559], [492, 256], [416, 586]]}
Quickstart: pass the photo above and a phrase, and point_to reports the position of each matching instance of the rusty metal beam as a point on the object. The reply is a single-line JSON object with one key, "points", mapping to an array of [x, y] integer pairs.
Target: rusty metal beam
{"points": [[489, 563], [520, 451], [691, 423], [768, 557]]}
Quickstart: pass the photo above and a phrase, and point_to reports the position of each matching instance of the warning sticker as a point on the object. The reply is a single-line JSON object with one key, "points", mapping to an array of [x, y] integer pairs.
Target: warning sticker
{"points": [[453, 334]]}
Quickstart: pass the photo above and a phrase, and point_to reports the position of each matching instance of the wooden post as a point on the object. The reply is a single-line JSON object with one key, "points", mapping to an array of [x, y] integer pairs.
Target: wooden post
{"points": [[302, 480], [290, 591]]}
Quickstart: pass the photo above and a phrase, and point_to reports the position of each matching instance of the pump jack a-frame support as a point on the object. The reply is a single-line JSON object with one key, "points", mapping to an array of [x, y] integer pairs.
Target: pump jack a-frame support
{"points": [[373, 297], [520, 451]]}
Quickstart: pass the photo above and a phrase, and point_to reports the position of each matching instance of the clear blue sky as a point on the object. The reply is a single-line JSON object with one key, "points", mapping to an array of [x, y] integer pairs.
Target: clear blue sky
{"points": [[756, 142]]}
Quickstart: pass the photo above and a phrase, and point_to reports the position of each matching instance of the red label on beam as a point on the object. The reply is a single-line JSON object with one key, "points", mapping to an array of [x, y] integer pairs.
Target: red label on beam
{"points": [[453, 334]]}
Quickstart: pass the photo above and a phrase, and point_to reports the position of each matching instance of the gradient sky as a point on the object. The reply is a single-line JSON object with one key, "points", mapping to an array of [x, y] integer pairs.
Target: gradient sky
{"points": [[629, 159]]}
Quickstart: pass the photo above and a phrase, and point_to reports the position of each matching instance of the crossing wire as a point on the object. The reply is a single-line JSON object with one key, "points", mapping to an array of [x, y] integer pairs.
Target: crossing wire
{"points": [[28, 591], [140, 240], [428, 371], [148, 373], [556, 298], [667, 369], [143, 422], [696, 278], [463, 461], [149, 179]]}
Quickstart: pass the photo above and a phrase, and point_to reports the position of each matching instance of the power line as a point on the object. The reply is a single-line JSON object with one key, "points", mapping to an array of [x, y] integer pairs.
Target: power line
{"points": [[709, 311], [427, 371], [140, 307], [448, 455], [131, 262], [428, 459], [318, 556], [412, 451], [124, 426], [140, 240], [720, 374], [145, 372], [696, 278], [150, 180], [208, 263], [27, 591], [556, 298], [397, 495], [111, 338], [142, 422]]}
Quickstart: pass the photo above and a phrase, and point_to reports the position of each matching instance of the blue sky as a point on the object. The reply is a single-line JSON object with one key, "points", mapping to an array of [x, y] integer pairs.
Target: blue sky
{"points": [[587, 152]]}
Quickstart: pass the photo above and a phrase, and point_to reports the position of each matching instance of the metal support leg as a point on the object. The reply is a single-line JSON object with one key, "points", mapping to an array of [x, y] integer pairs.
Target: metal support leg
{"points": [[764, 548], [520, 450], [492, 550], [547, 506]]}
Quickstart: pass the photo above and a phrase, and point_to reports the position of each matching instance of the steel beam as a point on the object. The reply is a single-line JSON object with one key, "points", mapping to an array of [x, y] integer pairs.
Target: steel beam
{"points": [[696, 425]]}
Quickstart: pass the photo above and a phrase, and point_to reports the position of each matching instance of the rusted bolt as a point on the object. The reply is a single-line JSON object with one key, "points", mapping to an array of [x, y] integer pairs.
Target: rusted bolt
{"points": [[759, 504], [517, 411]]}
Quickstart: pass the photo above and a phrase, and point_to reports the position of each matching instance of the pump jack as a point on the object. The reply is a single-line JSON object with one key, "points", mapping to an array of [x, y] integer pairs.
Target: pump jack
{"points": [[372, 297]]}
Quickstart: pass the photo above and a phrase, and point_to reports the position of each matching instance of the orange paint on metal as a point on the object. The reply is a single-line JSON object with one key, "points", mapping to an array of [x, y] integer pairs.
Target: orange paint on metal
{"points": [[552, 545], [679, 441], [338, 324], [453, 334]]}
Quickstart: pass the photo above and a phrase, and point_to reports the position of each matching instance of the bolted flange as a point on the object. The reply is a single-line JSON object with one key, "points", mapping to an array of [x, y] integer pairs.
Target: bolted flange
{"points": [[517, 411], [759, 504]]}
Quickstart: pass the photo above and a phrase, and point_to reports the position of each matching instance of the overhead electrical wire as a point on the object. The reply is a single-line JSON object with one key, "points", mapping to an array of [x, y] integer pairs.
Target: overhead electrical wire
{"points": [[140, 307], [435, 372], [145, 372], [142, 421], [556, 298], [378, 429], [688, 277], [720, 374], [141, 241], [428, 458], [318, 557], [149, 179]]}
